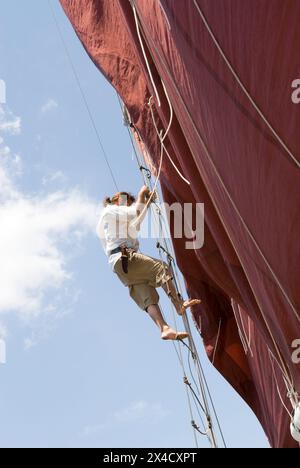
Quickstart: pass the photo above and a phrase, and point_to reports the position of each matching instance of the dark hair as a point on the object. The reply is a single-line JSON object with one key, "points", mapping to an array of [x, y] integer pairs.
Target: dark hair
{"points": [[107, 201], [113, 200]]}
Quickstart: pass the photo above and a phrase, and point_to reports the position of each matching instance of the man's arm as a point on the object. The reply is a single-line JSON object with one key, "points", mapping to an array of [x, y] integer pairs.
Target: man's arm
{"points": [[141, 211], [143, 195]]}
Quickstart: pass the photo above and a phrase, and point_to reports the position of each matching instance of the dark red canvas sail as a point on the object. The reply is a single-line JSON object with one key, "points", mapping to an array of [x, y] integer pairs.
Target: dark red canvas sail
{"points": [[241, 155]]}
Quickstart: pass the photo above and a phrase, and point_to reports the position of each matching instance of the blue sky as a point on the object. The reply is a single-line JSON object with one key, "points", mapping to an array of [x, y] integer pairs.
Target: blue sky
{"points": [[85, 367]]}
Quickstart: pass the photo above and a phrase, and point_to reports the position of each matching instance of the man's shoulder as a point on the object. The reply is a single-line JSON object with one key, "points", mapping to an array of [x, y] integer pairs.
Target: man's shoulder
{"points": [[109, 209], [118, 211]]}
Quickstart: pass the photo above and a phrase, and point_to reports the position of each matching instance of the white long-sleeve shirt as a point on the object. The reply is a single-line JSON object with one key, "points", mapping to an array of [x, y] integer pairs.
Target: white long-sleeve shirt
{"points": [[115, 229]]}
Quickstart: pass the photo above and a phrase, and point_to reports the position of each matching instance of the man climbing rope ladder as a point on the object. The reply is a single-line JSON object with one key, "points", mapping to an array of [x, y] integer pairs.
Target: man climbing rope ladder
{"points": [[118, 228]]}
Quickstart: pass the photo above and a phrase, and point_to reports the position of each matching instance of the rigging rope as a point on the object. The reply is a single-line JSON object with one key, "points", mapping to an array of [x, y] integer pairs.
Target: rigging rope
{"points": [[195, 427], [217, 342], [176, 346], [192, 349], [287, 376], [277, 387], [109, 167], [162, 140], [246, 342], [243, 87], [144, 54], [283, 365], [192, 352], [156, 94], [85, 101], [209, 432], [157, 218], [201, 140]]}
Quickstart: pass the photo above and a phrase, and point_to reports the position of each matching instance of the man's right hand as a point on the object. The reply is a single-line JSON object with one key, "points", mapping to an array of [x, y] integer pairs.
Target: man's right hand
{"points": [[145, 190], [144, 194], [153, 196]]}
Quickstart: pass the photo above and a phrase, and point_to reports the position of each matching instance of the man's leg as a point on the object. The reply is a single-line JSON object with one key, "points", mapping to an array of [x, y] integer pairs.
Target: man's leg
{"points": [[147, 298], [167, 333], [150, 269], [179, 304]]}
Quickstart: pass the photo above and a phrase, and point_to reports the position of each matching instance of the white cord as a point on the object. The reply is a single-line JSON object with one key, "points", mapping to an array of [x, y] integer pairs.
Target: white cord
{"points": [[166, 151], [284, 367], [144, 53], [277, 387], [242, 86], [217, 342]]}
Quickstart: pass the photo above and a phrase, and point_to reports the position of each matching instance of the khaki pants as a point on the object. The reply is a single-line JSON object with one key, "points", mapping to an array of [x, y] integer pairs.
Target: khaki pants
{"points": [[145, 274]]}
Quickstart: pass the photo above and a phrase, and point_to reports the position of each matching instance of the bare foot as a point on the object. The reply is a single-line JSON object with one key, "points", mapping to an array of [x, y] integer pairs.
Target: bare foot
{"points": [[170, 334], [182, 306]]}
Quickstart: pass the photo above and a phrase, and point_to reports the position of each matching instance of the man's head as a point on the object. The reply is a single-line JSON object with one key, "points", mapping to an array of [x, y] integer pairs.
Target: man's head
{"points": [[120, 199]]}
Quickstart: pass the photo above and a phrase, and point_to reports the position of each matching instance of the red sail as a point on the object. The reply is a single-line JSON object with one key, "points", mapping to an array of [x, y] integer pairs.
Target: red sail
{"points": [[240, 153]]}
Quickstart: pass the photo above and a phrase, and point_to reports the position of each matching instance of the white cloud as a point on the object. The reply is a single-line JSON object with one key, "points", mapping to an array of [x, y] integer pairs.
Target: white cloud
{"points": [[91, 430], [136, 412], [57, 176], [49, 105], [31, 237], [39, 234], [9, 123], [12, 126], [139, 411], [3, 331], [28, 343]]}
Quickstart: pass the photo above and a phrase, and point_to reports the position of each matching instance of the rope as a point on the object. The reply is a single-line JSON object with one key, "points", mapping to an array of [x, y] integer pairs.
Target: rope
{"points": [[177, 347], [248, 340], [203, 382], [86, 104], [284, 368], [138, 220], [245, 342], [192, 347], [144, 53], [158, 100], [171, 113], [181, 362], [107, 161], [192, 350], [277, 387], [158, 218], [211, 400], [156, 94], [165, 14], [162, 138], [243, 87], [217, 342], [163, 146], [162, 143], [195, 427]]}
